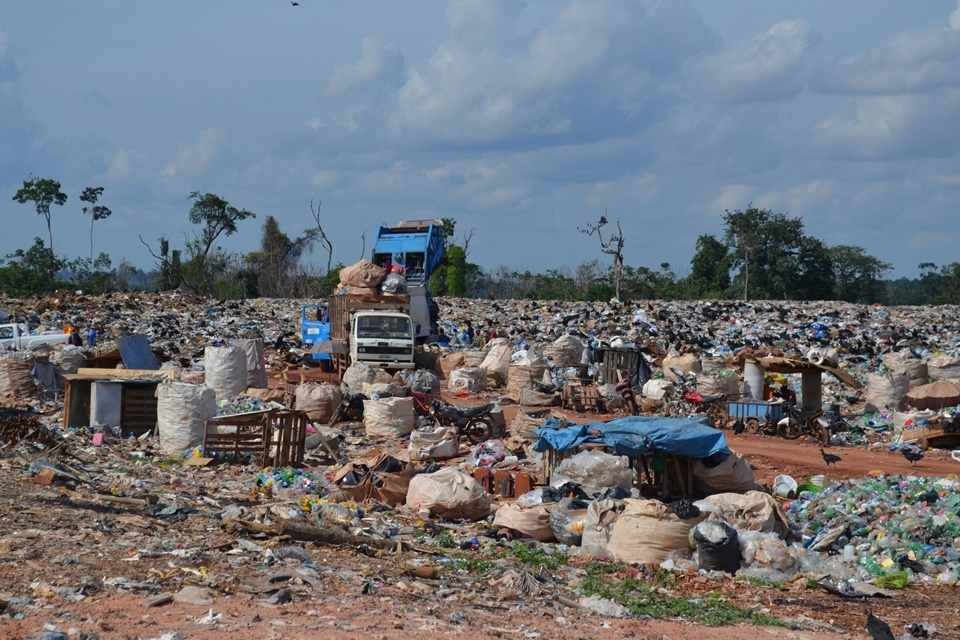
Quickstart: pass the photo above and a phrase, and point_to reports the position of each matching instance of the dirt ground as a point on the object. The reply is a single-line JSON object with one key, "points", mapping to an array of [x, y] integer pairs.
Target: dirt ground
{"points": [[85, 568]]}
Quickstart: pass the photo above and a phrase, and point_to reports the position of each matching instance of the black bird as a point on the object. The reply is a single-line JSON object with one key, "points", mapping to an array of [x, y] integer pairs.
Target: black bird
{"points": [[913, 456], [739, 427], [878, 629], [830, 458], [295, 4]]}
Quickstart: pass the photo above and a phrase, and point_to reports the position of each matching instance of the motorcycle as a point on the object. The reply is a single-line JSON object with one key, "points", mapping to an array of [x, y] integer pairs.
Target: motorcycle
{"points": [[349, 409], [422, 400], [625, 389], [475, 423], [690, 402], [800, 422]]}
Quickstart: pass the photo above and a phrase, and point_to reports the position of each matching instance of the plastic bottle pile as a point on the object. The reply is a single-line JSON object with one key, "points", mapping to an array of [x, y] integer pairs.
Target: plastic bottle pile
{"points": [[885, 525]]}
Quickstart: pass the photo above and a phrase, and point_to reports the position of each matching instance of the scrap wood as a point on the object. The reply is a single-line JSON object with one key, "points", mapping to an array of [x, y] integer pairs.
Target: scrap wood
{"points": [[306, 532]]}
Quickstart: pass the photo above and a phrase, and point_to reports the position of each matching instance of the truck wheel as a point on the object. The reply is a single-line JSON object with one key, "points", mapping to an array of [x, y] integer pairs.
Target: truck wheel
{"points": [[752, 425], [478, 429]]}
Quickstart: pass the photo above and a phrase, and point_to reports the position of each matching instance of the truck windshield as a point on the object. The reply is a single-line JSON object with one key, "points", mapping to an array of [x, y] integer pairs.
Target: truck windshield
{"points": [[383, 327]]}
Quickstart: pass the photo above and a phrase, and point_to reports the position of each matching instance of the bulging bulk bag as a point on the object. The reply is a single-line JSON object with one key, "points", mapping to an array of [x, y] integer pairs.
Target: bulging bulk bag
{"points": [[448, 493], [318, 400], [256, 367], [226, 370], [472, 379], [182, 410], [648, 531], [431, 443], [886, 391], [388, 417]]}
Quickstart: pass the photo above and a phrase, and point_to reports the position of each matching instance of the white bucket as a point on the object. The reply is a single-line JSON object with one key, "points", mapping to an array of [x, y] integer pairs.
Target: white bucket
{"points": [[784, 486]]}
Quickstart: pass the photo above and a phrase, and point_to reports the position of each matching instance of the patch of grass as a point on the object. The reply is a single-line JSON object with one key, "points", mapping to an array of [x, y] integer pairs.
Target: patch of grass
{"points": [[537, 556], [645, 598], [472, 565], [420, 536], [758, 582], [603, 568], [445, 539]]}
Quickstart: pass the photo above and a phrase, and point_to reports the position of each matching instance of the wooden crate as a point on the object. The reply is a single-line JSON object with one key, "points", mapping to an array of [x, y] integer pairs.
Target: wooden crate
{"points": [[277, 437], [580, 397], [138, 408], [286, 433]]}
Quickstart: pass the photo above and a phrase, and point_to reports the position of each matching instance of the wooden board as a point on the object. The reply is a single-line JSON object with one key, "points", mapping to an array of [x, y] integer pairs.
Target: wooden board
{"points": [[123, 373]]}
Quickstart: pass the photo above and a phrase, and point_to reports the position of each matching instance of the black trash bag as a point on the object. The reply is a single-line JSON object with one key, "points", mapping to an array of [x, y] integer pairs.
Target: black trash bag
{"points": [[566, 490], [615, 493], [718, 546], [354, 476], [389, 465], [685, 509]]}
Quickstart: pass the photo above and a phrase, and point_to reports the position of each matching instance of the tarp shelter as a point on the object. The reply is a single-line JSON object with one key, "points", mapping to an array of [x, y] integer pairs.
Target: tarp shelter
{"points": [[639, 437], [811, 395]]}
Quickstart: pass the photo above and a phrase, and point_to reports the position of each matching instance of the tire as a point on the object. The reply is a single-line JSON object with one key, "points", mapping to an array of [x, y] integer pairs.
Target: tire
{"points": [[822, 434], [791, 430], [839, 426], [752, 426], [478, 429], [718, 414]]}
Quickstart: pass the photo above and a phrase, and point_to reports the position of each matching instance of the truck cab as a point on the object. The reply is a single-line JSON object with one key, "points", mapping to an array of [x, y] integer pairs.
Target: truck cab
{"points": [[18, 336], [315, 327], [382, 339]]}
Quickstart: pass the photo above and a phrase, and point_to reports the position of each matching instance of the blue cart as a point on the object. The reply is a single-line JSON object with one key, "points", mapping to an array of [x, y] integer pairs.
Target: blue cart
{"points": [[758, 416]]}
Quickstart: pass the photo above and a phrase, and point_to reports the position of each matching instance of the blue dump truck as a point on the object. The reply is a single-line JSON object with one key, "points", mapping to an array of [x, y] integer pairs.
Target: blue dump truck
{"points": [[414, 248]]}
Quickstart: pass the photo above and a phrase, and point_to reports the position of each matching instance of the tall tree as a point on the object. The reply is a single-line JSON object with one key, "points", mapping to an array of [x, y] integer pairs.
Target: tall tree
{"points": [[216, 217], [765, 246], [324, 241], [857, 274], [815, 272], [43, 192], [710, 268], [97, 212], [613, 246]]}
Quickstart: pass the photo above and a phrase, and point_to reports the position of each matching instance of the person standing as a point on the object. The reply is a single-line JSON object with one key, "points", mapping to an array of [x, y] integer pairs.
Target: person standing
{"points": [[470, 333]]}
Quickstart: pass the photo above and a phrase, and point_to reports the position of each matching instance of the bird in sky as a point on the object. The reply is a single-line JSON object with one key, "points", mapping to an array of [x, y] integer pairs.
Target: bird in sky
{"points": [[294, 4], [913, 456], [878, 629], [829, 458]]}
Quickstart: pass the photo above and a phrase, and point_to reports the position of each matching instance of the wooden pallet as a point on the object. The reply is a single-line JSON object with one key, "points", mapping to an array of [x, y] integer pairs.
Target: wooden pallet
{"points": [[577, 397], [277, 437]]}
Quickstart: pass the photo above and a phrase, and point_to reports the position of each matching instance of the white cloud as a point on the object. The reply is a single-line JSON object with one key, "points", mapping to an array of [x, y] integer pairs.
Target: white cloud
{"points": [[732, 197], [891, 127], [127, 164], [907, 63], [195, 159], [765, 67], [594, 69], [955, 18]]}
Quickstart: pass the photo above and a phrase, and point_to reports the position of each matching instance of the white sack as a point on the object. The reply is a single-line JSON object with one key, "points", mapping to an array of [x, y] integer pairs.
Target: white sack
{"points": [[433, 443], [182, 410], [472, 379], [256, 368], [448, 493], [388, 417], [226, 370], [318, 400]]}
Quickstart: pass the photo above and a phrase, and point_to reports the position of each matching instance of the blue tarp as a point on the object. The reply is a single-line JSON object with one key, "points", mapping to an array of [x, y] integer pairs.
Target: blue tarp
{"points": [[639, 435]]}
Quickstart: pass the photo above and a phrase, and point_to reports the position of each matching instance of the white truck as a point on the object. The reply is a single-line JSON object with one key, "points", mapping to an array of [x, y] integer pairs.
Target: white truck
{"points": [[18, 336], [376, 330]]}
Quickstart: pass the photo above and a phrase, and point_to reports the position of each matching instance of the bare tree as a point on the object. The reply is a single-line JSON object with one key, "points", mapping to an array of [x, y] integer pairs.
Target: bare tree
{"points": [[467, 237], [327, 245], [612, 246]]}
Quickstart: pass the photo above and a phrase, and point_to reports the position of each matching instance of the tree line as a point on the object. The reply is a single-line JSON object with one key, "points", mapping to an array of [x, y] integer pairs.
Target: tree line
{"points": [[761, 255]]}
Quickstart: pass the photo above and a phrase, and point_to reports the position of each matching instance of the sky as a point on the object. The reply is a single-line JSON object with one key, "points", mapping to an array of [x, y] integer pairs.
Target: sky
{"points": [[523, 121]]}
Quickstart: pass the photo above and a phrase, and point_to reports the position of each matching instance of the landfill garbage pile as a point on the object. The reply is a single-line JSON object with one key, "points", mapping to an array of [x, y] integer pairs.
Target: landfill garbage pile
{"points": [[889, 525]]}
